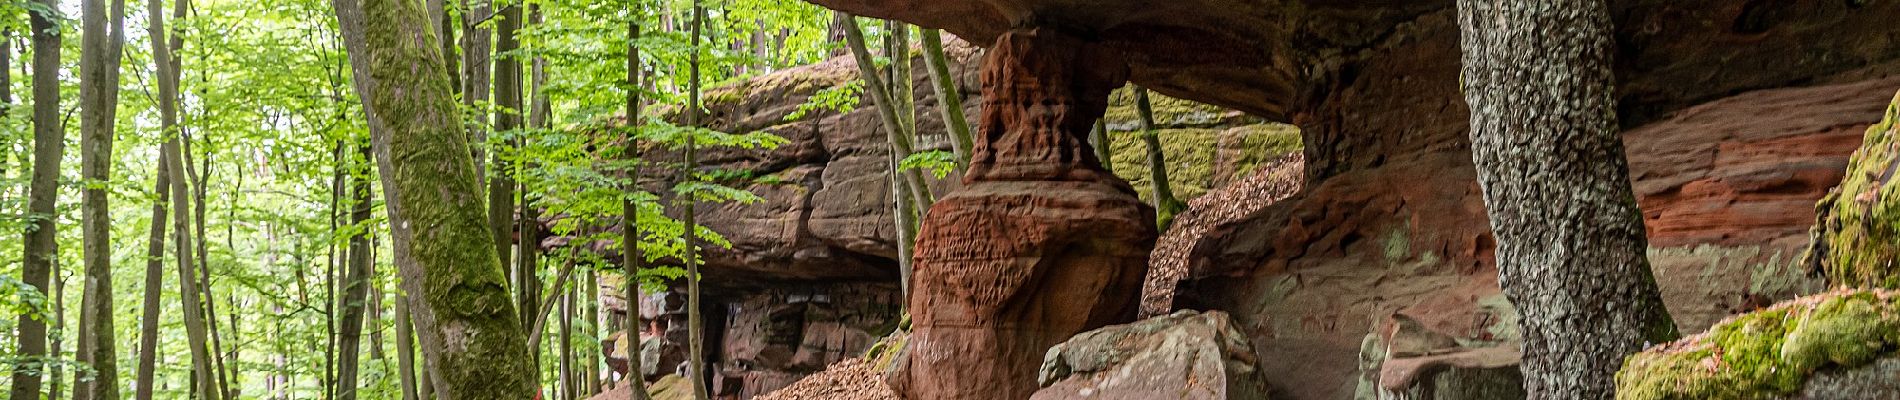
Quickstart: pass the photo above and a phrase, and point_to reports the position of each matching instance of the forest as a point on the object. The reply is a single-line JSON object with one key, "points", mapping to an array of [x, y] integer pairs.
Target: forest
{"points": [[948, 199]]}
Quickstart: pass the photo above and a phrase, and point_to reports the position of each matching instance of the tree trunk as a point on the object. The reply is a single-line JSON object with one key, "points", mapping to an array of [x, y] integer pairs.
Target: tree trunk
{"points": [[887, 111], [332, 272], [468, 327], [206, 296], [57, 351], [631, 258], [103, 42], [154, 279], [949, 97], [695, 327], [1166, 205], [405, 347], [1556, 186], [501, 187], [356, 279], [568, 388], [475, 73], [36, 265], [546, 306], [1098, 138]]}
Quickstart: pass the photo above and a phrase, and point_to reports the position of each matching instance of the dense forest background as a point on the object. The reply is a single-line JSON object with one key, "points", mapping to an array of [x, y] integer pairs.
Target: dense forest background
{"points": [[287, 250]]}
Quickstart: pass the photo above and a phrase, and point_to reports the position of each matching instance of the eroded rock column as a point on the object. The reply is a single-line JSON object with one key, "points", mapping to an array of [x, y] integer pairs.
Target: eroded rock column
{"points": [[1040, 243]]}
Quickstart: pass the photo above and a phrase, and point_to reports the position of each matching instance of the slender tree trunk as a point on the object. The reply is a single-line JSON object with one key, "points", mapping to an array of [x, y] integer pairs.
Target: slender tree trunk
{"points": [[103, 42], [897, 48], [475, 74], [356, 280], [206, 294], [57, 351], [1098, 139], [949, 98], [631, 258], [205, 384], [6, 102], [1166, 205], [405, 347], [154, 280], [501, 187], [887, 110], [36, 266], [469, 329], [546, 306], [1556, 186], [696, 345], [591, 302], [568, 388], [333, 272]]}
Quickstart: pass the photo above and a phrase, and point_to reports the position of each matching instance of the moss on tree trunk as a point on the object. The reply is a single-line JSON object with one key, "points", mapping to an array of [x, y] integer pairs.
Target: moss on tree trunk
{"points": [[470, 332]]}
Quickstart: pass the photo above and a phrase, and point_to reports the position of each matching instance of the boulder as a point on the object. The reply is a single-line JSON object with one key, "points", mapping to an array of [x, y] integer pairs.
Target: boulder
{"points": [[1857, 232], [1836, 345], [1185, 355]]}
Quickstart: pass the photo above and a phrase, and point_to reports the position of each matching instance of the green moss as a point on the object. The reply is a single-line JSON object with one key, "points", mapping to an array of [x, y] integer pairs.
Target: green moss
{"points": [[1769, 353], [1190, 156], [1168, 111], [1261, 143], [1857, 237]]}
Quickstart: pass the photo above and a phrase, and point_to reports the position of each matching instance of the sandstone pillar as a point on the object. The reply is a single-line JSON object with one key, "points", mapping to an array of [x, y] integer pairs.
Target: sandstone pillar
{"points": [[1040, 243]]}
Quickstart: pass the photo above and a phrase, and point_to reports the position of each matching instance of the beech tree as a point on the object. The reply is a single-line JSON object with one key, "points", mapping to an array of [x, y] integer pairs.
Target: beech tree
{"points": [[36, 266], [428, 176], [103, 41], [1571, 245]]}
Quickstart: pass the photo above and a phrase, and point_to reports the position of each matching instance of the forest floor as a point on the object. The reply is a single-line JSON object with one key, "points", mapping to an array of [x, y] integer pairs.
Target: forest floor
{"points": [[851, 379]]}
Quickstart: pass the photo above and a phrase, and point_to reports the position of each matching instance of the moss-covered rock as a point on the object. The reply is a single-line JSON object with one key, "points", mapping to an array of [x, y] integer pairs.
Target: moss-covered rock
{"points": [[1857, 232], [1771, 353]]}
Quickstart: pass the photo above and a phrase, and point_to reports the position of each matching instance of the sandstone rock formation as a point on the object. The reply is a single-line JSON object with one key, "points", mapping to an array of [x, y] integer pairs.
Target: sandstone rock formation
{"points": [[1185, 355], [1040, 243], [1739, 114]]}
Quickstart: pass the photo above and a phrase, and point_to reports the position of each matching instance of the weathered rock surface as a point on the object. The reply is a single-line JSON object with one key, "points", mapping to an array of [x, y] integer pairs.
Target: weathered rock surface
{"points": [[1185, 355], [1857, 235], [1040, 243], [1821, 346]]}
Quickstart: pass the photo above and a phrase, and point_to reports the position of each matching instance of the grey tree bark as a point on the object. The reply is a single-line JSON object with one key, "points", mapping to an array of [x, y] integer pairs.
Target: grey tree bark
{"points": [[102, 44], [36, 266], [1556, 186]]}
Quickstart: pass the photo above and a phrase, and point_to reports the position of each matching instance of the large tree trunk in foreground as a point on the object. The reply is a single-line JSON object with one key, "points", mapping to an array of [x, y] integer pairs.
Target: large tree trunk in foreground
{"points": [[36, 261], [1556, 186], [470, 332], [104, 41]]}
